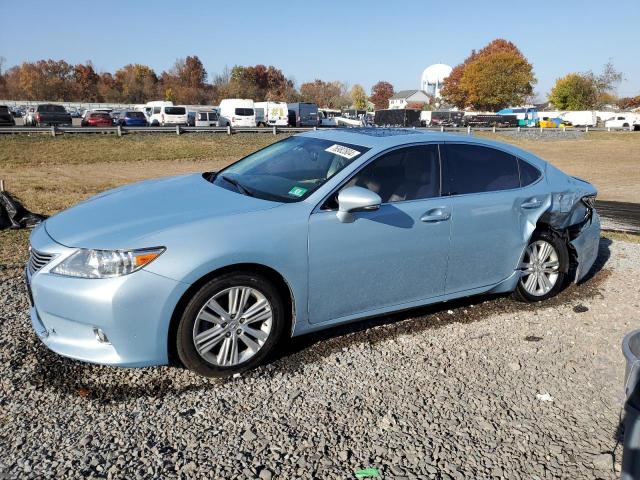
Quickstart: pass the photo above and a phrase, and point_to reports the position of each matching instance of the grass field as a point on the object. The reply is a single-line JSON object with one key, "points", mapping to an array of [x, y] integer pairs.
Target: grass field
{"points": [[49, 174]]}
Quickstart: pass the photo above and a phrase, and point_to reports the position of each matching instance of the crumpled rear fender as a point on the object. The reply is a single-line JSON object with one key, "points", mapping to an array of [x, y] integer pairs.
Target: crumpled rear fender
{"points": [[576, 220], [586, 245]]}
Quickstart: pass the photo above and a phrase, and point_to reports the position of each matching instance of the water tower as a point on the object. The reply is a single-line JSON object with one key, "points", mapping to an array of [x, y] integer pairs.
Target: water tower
{"points": [[432, 78]]}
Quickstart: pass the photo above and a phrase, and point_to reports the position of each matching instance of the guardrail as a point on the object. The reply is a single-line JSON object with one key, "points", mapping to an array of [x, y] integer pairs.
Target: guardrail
{"points": [[179, 130]]}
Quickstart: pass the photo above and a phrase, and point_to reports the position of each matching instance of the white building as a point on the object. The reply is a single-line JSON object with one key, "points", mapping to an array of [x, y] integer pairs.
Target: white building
{"points": [[405, 97], [432, 78]]}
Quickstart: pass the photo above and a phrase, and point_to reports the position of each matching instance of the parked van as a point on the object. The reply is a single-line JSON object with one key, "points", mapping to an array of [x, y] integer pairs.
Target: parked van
{"points": [[207, 118], [237, 112], [162, 113], [272, 113], [303, 114]]}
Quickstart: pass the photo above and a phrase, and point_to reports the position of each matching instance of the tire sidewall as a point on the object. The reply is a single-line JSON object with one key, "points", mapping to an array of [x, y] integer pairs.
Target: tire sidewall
{"points": [[184, 335], [563, 258]]}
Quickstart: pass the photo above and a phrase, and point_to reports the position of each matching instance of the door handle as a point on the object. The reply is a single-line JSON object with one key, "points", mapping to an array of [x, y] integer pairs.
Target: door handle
{"points": [[532, 203], [435, 215]]}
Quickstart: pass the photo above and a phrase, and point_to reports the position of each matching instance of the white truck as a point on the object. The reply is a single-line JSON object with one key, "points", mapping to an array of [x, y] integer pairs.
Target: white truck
{"points": [[629, 121], [580, 118], [237, 112], [271, 114]]}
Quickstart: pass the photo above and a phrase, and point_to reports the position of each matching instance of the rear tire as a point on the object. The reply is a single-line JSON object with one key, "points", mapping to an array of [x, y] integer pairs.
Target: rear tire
{"points": [[545, 265], [230, 325]]}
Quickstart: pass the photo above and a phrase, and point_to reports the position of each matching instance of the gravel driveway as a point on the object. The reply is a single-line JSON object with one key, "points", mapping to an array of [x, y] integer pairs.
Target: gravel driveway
{"points": [[482, 388]]}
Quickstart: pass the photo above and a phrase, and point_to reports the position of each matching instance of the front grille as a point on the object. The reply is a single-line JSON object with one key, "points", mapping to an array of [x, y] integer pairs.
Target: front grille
{"points": [[37, 260]]}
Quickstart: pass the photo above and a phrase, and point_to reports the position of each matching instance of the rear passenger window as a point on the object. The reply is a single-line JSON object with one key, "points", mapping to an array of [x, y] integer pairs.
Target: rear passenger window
{"points": [[528, 173], [405, 174], [474, 169]]}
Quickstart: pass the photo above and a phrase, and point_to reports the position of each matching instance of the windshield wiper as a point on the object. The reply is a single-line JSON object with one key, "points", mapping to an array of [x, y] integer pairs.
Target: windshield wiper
{"points": [[244, 190]]}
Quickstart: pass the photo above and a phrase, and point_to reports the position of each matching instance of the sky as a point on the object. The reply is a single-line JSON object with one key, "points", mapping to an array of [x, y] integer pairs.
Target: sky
{"points": [[351, 41]]}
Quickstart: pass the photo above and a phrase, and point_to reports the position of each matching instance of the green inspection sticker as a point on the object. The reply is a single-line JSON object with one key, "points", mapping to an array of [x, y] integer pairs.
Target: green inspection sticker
{"points": [[297, 191]]}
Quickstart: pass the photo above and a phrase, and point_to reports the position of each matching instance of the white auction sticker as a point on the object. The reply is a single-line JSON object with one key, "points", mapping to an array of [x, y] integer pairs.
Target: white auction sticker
{"points": [[343, 151]]}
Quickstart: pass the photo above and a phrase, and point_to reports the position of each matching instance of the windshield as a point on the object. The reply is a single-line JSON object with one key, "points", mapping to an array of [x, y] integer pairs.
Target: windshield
{"points": [[175, 110], [135, 115], [290, 170]]}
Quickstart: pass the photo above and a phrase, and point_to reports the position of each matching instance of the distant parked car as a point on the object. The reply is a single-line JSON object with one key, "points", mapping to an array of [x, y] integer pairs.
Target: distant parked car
{"points": [[623, 121], [237, 112], [48, 114], [132, 118], [17, 112], [206, 119], [6, 117], [97, 119]]}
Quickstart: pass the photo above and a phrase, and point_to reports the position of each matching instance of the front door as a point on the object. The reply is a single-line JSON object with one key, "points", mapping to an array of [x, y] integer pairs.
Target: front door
{"points": [[385, 258]]}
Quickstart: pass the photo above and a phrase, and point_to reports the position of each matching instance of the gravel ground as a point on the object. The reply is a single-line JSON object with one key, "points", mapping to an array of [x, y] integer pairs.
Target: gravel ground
{"points": [[481, 388], [553, 134]]}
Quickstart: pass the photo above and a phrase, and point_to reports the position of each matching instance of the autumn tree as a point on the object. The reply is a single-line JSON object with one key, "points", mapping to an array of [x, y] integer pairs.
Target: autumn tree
{"points": [[493, 78], [627, 103], [259, 82], [138, 83], [186, 82], [85, 83], [358, 97], [325, 94], [573, 92], [585, 91], [381, 92]]}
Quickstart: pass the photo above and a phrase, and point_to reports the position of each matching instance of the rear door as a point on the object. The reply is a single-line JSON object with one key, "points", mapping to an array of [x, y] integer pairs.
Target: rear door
{"points": [[491, 215], [386, 258]]}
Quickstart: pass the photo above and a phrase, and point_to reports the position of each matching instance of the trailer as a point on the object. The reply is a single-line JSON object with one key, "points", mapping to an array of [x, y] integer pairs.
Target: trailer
{"points": [[527, 116], [397, 117], [446, 118], [582, 118], [485, 120]]}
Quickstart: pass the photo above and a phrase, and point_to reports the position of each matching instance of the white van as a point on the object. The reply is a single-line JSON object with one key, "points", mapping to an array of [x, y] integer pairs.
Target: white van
{"points": [[237, 112], [206, 118], [272, 113], [162, 113]]}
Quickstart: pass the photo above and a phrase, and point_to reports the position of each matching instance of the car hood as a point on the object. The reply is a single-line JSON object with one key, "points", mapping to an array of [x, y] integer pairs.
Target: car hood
{"points": [[121, 218]]}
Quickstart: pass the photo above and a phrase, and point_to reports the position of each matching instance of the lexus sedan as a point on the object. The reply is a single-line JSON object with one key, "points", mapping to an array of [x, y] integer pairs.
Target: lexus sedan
{"points": [[215, 270]]}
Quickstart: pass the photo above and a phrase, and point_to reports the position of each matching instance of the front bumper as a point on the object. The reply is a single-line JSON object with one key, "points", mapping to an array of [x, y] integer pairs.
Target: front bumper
{"points": [[134, 311]]}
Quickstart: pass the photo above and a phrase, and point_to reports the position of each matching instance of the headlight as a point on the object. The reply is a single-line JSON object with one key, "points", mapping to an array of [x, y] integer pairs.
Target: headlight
{"points": [[106, 263]]}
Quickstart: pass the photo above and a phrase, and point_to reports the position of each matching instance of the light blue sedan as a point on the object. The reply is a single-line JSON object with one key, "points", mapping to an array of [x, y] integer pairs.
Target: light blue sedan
{"points": [[214, 270]]}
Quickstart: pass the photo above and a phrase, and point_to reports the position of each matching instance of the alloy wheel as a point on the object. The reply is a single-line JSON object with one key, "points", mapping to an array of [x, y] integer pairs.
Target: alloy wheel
{"points": [[540, 268], [232, 326]]}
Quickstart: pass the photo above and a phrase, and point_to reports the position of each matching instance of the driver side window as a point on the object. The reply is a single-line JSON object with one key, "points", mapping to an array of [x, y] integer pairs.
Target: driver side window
{"points": [[404, 174]]}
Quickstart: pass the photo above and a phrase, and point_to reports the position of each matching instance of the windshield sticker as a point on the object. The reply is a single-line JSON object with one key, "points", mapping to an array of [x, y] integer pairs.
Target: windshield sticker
{"points": [[297, 191], [343, 151]]}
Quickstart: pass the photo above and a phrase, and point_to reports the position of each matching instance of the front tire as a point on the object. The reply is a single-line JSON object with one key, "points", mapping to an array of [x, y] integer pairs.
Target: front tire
{"points": [[230, 325], [544, 266]]}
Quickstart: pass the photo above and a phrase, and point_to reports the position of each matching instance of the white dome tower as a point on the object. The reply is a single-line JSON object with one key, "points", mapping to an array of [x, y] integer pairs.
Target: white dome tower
{"points": [[432, 78]]}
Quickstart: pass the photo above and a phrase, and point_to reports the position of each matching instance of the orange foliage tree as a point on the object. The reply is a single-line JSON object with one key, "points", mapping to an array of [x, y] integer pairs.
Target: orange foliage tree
{"points": [[492, 78]]}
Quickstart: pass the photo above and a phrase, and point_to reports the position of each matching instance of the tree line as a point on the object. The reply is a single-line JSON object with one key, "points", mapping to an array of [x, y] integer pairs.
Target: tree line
{"points": [[186, 82], [494, 77]]}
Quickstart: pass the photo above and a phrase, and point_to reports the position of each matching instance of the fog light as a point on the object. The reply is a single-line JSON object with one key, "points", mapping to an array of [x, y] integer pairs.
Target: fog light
{"points": [[100, 335]]}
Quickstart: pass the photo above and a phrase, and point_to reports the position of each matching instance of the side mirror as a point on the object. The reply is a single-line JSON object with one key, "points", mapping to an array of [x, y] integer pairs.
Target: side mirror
{"points": [[356, 199]]}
